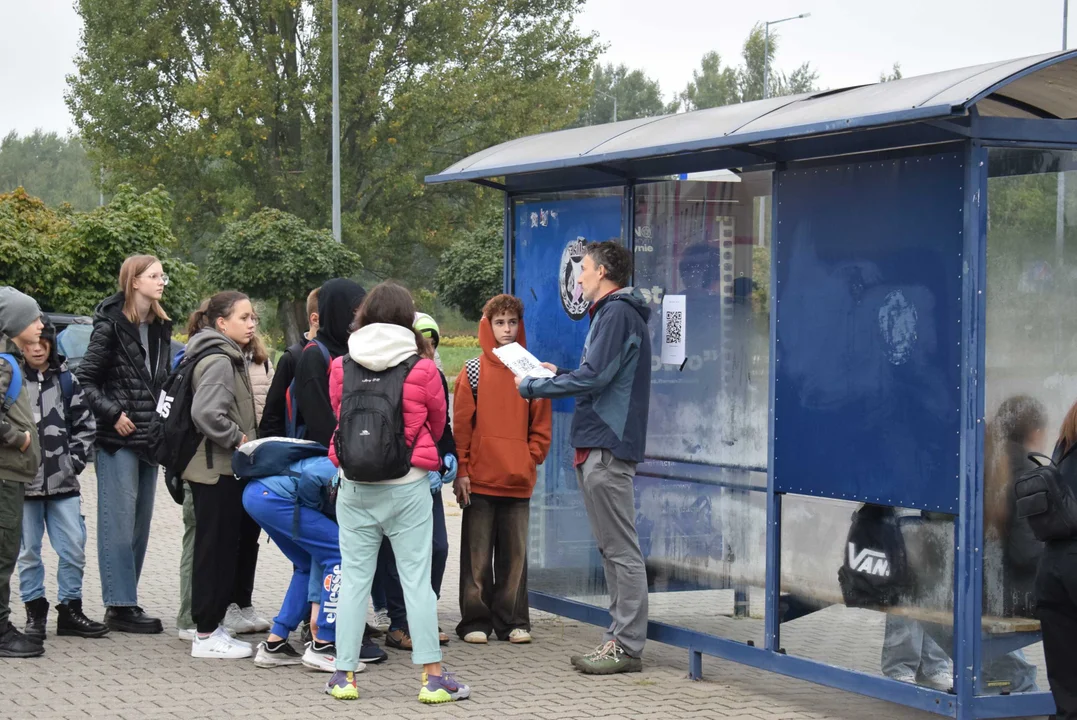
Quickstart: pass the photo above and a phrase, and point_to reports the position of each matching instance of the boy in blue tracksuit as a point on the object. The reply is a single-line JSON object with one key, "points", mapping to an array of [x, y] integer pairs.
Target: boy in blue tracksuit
{"points": [[291, 508]]}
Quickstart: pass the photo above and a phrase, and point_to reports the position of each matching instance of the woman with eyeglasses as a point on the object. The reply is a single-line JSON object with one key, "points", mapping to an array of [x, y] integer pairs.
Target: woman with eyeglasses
{"points": [[123, 371]]}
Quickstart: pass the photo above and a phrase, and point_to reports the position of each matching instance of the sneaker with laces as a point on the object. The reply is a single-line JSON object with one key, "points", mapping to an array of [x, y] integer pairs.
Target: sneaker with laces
{"points": [[941, 680], [519, 636], [477, 637], [259, 623], [381, 621], [609, 659], [219, 646], [279, 656], [371, 654], [234, 620], [399, 639], [323, 657], [443, 689], [905, 676], [342, 686]]}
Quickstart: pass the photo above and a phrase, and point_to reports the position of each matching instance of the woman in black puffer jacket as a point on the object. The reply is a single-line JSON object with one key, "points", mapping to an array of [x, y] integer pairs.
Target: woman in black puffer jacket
{"points": [[123, 371]]}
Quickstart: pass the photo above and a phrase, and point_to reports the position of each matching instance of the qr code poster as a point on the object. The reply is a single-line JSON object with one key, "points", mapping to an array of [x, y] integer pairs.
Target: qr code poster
{"points": [[673, 324]]}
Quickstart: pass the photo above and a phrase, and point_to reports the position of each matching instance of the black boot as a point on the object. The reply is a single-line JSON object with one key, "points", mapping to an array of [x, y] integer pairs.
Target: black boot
{"points": [[71, 621], [13, 644], [37, 617], [132, 619]]}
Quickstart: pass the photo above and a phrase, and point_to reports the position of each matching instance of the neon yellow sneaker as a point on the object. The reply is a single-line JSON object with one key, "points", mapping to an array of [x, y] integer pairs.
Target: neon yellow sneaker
{"points": [[342, 686], [442, 689]]}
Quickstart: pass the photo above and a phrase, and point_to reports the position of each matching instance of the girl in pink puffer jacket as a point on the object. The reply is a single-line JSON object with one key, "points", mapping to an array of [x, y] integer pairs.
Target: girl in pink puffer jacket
{"points": [[397, 508]]}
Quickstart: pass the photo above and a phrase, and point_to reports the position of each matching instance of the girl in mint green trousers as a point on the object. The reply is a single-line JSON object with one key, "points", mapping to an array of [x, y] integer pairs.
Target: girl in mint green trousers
{"points": [[388, 366]]}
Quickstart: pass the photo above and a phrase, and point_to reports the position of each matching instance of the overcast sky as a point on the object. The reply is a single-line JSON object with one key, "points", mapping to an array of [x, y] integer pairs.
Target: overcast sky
{"points": [[849, 42]]}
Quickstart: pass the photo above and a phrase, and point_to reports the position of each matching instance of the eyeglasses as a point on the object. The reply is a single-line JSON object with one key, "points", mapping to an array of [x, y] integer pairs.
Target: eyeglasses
{"points": [[163, 277]]}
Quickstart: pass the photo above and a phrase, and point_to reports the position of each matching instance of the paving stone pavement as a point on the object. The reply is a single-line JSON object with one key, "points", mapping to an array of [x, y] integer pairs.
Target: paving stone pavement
{"points": [[140, 677]]}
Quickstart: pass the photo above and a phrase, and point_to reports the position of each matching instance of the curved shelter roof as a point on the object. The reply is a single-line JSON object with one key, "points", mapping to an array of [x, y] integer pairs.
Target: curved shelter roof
{"points": [[1037, 87]]}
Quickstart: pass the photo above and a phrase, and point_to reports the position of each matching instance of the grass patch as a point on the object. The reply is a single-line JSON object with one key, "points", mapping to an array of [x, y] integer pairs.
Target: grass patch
{"points": [[453, 358]]}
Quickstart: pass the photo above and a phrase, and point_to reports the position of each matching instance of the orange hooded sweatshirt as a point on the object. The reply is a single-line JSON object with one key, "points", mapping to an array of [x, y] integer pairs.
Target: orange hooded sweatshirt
{"points": [[500, 442]]}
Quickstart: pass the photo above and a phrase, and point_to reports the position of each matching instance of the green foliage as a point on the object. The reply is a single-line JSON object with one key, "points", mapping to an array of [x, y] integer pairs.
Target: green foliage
{"points": [[275, 255], [459, 341], [471, 269], [50, 167], [894, 74], [637, 96], [453, 359], [70, 261], [715, 84], [229, 105]]}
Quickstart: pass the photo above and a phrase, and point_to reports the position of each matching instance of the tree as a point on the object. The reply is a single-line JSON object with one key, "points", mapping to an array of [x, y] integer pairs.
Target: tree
{"points": [[471, 268], [637, 96], [227, 102], [715, 84], [274, 255], [70, 261], [50, 167], [894, 74]]}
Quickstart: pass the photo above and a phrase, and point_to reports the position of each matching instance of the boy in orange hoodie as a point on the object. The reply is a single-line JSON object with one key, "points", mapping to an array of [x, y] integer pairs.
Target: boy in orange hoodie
{"points": [[500, 441]]}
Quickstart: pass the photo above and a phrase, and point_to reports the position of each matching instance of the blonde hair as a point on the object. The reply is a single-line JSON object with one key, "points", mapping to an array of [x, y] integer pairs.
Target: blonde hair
{"points": [[256, 348], [131, 269]]}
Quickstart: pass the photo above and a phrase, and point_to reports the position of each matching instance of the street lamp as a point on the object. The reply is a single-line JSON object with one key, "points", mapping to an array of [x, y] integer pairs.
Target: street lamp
{"points": [[611, 97], [766, 49], [336, 129]]}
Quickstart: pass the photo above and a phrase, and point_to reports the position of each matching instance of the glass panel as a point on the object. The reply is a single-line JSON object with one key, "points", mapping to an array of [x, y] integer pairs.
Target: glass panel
{"points": [[1031, 381], [843, 622]]}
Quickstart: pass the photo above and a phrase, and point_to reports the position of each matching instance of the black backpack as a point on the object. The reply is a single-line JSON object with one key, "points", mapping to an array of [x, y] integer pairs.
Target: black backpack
{"points": [[370, 439], [173, 437], [875, 571], [1045, 500]]}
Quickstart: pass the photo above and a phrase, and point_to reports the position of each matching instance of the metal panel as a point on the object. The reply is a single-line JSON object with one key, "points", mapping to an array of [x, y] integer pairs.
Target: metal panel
{"points": [[868, 312]]}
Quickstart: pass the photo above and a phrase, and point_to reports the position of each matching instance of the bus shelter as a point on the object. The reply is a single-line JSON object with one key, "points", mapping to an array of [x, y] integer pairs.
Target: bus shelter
{"points": [[865, 277]]}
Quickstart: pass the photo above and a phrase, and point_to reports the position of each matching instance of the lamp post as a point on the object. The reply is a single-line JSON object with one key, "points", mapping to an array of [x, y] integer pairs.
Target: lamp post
{"points": [[611, 97], [766, 49], [336, 129]]}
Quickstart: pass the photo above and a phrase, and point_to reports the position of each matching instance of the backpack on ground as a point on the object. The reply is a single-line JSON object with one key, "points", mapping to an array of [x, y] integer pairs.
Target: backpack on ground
{"points": [[173, 437], [1046, 501], [15, 386], [293, 427], [875, 570], [370, 440]]}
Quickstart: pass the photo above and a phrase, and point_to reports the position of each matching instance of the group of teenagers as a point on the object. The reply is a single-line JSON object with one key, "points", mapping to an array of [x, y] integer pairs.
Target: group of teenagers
{"points": [[349, 539]]}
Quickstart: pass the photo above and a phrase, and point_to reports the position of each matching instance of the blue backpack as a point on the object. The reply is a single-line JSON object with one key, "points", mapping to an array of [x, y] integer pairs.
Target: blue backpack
{"points": [[271, 456], [15, 386], [293, 428]]}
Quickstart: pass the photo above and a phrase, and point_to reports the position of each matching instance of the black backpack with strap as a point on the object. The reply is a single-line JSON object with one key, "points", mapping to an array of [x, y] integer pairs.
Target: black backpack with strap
{"points": [[173, 437], [369, 440], [875, 570], [1045, 500]]}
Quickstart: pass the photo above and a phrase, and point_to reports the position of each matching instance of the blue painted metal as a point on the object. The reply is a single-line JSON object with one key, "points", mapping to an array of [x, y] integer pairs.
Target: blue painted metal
{"points": [[968, 572], [508, 249], [1023, 130], [928, 97], [866, 404], [772, 616], [1022, 705], [914, 696]]}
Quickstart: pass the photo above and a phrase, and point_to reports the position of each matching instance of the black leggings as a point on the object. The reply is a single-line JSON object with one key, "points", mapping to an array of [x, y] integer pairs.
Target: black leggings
{"points": [[225, 552], [1056, 601]]}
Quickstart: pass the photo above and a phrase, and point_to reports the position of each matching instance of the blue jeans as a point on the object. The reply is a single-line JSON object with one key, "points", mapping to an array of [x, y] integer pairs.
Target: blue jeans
{"points": [[367, 512], [315, 551], [126, 485], [67, 534]]}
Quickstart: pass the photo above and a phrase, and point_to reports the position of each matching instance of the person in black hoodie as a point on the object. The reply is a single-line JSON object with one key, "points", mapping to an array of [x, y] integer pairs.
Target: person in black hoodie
{"points": [[123, 371], [338, 299], [273, 422]]}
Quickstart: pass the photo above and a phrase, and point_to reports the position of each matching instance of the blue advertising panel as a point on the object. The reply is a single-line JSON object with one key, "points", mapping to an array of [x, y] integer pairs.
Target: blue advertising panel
{"points": [[869, 279], [548, 239]]}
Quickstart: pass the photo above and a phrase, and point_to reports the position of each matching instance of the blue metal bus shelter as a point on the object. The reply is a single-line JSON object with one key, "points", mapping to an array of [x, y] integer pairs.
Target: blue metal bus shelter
{"points": [[866, 275]]}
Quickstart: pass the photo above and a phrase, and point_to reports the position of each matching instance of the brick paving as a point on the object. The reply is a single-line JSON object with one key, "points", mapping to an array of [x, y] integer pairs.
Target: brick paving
{"points": [[147, 677]]}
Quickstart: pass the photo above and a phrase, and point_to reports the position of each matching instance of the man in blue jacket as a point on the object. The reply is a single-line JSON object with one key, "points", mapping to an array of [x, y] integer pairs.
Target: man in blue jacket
{"points": [[609, 430]]}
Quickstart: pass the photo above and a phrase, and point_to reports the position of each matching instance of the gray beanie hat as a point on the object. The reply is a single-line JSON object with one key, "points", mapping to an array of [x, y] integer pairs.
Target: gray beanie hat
{"points": [[17, 311]]}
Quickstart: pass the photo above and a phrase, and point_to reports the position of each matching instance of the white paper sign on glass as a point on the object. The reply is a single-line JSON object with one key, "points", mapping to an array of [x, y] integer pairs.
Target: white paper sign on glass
{"points": [[673, 325], [521, 362]]}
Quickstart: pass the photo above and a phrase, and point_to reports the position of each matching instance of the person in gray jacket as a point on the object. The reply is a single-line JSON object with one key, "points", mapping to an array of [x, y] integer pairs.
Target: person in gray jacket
{"points": [[612, 388], [66, 429]]}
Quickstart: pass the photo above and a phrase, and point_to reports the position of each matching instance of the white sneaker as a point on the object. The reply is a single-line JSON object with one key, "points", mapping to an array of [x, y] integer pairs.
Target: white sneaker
{"points": [[188, 634], [905, 677], [219, 646], [234, 620], [324, 660], [942, 680], [476, 637], [381, 620], [519, 636], [260, 623]]}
